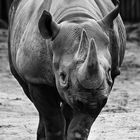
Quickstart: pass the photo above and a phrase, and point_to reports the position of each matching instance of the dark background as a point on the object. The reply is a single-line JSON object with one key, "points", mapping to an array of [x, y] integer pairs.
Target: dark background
{"points": [[4, 8], [130, 10]]}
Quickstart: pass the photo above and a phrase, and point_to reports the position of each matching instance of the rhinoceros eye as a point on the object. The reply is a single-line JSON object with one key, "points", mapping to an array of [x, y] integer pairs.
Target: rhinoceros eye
{"points": [[63, 79]]}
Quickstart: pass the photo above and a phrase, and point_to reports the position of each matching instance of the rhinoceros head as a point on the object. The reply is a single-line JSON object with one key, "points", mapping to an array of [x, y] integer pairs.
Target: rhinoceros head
{"points": [[81, 59]]}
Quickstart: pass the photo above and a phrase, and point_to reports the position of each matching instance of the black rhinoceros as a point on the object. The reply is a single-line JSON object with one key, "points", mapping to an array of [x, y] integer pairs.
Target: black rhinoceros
{"points": [[65, 54]]}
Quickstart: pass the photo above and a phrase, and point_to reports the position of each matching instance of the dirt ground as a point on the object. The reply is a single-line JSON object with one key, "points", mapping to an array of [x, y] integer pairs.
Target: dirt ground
{"points": [[119, 120]]}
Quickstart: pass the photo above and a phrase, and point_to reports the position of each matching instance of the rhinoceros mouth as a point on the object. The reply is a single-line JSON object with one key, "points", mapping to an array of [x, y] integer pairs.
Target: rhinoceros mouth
{"points": [[88, 103]]}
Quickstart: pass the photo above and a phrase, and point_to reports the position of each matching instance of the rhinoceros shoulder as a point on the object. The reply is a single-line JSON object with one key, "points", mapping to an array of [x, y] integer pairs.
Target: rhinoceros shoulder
{"points": [[29, 55]]}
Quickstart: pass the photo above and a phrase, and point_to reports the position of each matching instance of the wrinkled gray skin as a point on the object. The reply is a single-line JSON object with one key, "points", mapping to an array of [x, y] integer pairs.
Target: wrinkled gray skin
{"points": [[66, 54]]}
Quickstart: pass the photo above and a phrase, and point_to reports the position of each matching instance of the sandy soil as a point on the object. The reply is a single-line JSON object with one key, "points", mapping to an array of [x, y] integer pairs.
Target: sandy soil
{"points": [[119, 120]]}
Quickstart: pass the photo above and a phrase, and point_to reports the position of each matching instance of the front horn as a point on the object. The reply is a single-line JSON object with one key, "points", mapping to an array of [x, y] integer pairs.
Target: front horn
{"points": [[90, 74]]}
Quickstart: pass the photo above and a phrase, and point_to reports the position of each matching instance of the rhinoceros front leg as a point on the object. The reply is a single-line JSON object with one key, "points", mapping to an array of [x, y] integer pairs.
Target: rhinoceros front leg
{"points": [[68, 114], [79, 127], [83, 117], [47, 102], [41, 128]]}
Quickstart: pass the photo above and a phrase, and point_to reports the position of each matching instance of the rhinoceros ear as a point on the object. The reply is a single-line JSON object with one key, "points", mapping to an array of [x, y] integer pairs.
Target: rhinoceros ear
{"points": [[47, 27], [107, 21]]}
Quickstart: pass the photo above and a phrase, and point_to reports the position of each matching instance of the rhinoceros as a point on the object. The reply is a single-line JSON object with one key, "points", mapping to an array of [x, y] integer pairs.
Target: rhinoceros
{"points": [[65, 54]]}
